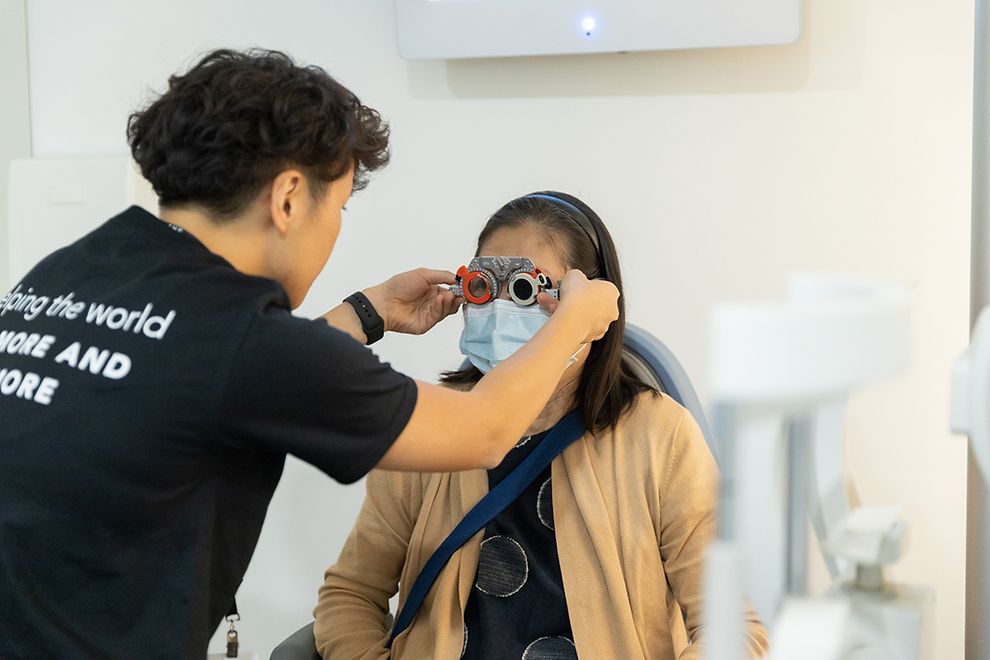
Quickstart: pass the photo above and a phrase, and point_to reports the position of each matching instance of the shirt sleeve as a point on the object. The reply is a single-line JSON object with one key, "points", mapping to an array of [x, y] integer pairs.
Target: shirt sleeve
{"points": [[688, 510], [354, 599], [305, 388]]}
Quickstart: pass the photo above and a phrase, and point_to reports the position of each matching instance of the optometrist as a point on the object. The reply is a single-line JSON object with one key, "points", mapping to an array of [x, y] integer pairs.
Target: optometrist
{"points": [[153, 378]]}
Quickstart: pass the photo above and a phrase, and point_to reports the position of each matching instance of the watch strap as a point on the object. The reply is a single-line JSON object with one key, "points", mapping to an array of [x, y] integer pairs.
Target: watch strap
{"points": [[371, 321]]}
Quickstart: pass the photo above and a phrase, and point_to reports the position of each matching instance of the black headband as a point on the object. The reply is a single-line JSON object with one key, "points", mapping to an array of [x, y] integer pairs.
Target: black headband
{"points": [[578, 216]]}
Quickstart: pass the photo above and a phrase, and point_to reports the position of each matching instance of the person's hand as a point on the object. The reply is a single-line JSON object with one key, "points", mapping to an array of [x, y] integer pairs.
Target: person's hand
{"points": [[592, 302], [413, 302]]}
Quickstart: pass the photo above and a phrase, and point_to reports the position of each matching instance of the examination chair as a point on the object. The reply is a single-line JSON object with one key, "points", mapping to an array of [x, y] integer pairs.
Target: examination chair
{"points": [[653, 362]]}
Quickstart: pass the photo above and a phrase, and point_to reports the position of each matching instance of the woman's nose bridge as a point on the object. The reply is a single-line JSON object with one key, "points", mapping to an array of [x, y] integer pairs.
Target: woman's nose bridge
{"points": [[502, 285]]}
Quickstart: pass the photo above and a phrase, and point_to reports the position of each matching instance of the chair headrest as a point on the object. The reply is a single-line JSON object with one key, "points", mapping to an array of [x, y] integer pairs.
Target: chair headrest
{"points": [[641, 369]]}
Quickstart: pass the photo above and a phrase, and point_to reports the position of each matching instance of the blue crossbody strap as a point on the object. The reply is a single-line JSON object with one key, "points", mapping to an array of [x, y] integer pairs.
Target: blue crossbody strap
{"points": [[565, 432]]}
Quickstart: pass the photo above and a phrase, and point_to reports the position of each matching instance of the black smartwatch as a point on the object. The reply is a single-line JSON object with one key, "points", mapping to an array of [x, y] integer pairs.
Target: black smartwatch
{"points": [[371, 321]]}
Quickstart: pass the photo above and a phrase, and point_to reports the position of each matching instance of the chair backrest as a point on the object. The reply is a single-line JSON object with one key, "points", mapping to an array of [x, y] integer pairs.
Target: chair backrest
{"points": [[656, 365]]}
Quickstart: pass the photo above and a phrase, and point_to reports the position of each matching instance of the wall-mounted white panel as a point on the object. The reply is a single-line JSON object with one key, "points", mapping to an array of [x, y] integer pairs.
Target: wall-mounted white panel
{"points": [[54, 201], [438, 29]]}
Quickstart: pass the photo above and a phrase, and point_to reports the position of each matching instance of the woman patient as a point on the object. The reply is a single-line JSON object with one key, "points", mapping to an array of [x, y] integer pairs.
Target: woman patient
{"points": [[601, 557]]}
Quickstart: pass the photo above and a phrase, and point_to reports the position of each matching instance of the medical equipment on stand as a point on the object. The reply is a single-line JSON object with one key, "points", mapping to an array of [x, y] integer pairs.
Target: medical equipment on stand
{"points": [[887, 621], [780, 377]]}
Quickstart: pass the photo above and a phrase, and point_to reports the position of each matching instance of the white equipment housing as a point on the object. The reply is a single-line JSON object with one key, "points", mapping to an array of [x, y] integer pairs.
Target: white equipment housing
{"points": [[780, 376]]}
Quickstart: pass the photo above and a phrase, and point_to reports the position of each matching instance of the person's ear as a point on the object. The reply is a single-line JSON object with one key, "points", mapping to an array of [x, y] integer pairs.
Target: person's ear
{"points": [[287, 199]]}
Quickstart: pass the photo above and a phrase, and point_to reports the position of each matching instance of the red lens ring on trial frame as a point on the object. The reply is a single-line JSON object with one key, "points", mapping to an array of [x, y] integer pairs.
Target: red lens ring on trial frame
{"points": [[467, 277]]}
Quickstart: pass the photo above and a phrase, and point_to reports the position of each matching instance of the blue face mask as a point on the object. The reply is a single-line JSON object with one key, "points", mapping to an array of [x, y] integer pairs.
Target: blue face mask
{"points": [[496, 330]]}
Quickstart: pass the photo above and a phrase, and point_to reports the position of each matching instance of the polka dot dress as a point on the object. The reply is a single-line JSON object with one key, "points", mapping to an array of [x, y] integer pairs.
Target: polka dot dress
{"points": [[517, 609]]}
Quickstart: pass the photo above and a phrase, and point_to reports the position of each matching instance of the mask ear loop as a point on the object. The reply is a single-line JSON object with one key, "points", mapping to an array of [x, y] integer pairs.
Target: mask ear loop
{"points": [[574, 358]]}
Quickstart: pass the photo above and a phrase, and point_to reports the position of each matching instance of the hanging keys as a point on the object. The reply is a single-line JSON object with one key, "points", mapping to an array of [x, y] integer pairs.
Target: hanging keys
{"points": [[232, 643]]}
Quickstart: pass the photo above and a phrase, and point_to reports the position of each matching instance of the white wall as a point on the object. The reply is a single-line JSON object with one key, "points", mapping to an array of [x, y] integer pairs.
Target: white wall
{"points": [[15, 112], [718, 172]]}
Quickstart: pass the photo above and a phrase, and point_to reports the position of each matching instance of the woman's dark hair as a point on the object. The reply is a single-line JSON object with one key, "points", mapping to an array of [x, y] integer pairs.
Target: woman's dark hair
{"points": [[608, 385], [229, 125]]}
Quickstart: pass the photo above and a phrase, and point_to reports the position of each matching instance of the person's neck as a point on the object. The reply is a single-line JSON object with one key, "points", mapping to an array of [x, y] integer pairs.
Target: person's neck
{"points": [[560, 404], [238, 240]]}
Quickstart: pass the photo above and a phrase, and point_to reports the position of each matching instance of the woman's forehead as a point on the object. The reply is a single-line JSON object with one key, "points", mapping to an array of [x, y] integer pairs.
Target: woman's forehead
{"points": [[525, 241]]}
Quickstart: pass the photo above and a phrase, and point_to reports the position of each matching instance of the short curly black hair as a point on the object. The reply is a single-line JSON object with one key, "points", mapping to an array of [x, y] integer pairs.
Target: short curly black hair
{"points": [[229, 125]]}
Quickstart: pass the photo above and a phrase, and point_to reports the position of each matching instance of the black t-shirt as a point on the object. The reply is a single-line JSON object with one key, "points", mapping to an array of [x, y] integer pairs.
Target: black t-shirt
{"points": [[517, 608], [149, 393]]}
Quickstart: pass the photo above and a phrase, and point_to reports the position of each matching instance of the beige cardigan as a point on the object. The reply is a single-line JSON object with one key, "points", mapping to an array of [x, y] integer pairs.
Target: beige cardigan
{"points": [[633, 509]]}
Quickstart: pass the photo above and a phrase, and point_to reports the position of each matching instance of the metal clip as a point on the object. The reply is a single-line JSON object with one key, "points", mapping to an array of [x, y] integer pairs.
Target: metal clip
{"points": [[233, 645]]}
